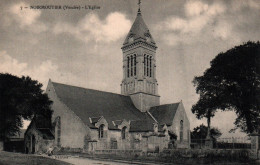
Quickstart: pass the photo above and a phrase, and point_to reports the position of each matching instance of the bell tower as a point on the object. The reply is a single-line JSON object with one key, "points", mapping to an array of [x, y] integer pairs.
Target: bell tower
{"points": [[139, 66]]}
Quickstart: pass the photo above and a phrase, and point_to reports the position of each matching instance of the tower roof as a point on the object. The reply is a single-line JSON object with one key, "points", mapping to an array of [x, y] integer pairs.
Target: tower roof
{"points": [[139, 31]]}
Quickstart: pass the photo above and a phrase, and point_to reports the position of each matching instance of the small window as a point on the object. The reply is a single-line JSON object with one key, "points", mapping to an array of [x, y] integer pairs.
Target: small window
{"points": [[181, 130], [130, 38], [101, 131], [123, 133], [155, 128]]}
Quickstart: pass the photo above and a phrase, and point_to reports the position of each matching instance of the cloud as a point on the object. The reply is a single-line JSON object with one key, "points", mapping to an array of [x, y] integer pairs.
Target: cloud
{"points": [[92, 28], [48, 70], [198, 15], [27, 19], [13, 66], [204, 23], [194, 8], [25, 16], [222, 30], [240, 4]]}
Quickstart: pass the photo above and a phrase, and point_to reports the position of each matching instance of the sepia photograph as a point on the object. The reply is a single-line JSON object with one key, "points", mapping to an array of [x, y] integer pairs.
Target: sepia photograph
{"points": [[120, 82]]}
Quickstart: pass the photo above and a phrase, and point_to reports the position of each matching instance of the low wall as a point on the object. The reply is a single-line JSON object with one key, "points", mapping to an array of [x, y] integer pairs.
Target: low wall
{"points": [[119, 152], [228, 154], [178, 156]]}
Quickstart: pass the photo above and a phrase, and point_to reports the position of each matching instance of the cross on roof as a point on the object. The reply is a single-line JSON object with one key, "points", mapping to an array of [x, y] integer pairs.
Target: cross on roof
{"points": [[139, 4]]}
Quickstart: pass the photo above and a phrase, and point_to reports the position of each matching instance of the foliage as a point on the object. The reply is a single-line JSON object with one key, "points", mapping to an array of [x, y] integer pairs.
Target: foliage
{"points": [[20, 98], [172, 135], [232, 83], [200, 132]]}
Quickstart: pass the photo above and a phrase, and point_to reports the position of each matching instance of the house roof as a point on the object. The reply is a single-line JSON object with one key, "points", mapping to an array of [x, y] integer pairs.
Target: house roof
{"points": [[89, 103], [19, 135], [139, 30], [42, 126], [164, 114], [95, 119]]}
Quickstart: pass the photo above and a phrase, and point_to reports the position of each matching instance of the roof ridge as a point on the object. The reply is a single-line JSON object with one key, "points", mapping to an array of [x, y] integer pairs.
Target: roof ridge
{"points": [[152, 116], [167, 104], [89, 89]]}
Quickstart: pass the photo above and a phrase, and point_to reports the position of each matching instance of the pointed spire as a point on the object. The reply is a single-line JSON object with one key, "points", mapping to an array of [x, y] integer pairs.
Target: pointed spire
{"points": [[139, 9], [139, 30]]}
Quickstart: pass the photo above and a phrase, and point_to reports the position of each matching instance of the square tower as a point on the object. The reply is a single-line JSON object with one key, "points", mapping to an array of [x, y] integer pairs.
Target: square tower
{"points": [[139, 66]]}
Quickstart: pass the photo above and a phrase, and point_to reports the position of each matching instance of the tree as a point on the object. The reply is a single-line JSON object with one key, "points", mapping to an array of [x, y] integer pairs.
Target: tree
{"points": [[200, 132], [20, 98], [232, 83]]}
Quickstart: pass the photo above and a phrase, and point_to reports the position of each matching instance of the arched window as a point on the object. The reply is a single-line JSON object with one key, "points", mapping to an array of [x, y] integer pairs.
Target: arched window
{"points": [[128, 61], [181, 130], [123, 133], [131, 65], [147, 65], [101, 131], [150, 66], [58, 130], [134, 65], [144, 64]]}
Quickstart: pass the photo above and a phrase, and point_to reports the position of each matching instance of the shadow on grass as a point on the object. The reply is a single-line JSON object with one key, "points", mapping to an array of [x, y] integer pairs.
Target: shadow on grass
{"points": [[10, 158]]}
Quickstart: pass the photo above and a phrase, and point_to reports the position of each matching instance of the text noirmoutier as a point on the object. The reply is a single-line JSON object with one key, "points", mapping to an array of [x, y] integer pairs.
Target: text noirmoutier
{"points": [[64, 7]]}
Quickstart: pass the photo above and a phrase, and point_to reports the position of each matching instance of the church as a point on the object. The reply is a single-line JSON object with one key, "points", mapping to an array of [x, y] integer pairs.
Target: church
{"points": [[92, 120]]}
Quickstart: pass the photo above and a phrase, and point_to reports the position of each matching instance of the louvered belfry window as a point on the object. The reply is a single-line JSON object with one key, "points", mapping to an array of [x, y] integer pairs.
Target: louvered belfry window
{"points": [[134, 65], [131, 65], [128, 69]]}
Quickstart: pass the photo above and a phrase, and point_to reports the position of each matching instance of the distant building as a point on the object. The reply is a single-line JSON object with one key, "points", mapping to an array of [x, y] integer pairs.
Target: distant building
{"points": [[15, 143], [96, 120], [39, 135]]}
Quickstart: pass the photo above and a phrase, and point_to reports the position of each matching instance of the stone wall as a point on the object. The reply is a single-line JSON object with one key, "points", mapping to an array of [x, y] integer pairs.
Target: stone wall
{"points": [[175, 127], [41, 145], [73, 130]]}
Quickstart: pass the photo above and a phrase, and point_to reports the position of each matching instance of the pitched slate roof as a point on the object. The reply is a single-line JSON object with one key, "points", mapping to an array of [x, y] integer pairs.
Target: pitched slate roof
{"points": [[139, 30], [117, 122], [89, 103], [46, 133], [141, 126], [42, 126], [164, 114], [19, 135]]}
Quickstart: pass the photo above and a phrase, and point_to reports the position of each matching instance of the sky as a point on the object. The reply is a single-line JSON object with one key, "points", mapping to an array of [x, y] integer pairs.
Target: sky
{"points": [[83, 47]]}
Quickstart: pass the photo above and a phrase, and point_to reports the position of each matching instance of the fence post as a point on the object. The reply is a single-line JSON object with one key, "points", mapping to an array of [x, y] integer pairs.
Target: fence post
{"points": [[232, 142]]}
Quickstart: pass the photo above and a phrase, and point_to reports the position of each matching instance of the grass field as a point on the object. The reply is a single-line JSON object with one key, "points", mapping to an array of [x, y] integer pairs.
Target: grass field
{"points": [[10, 158]]}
